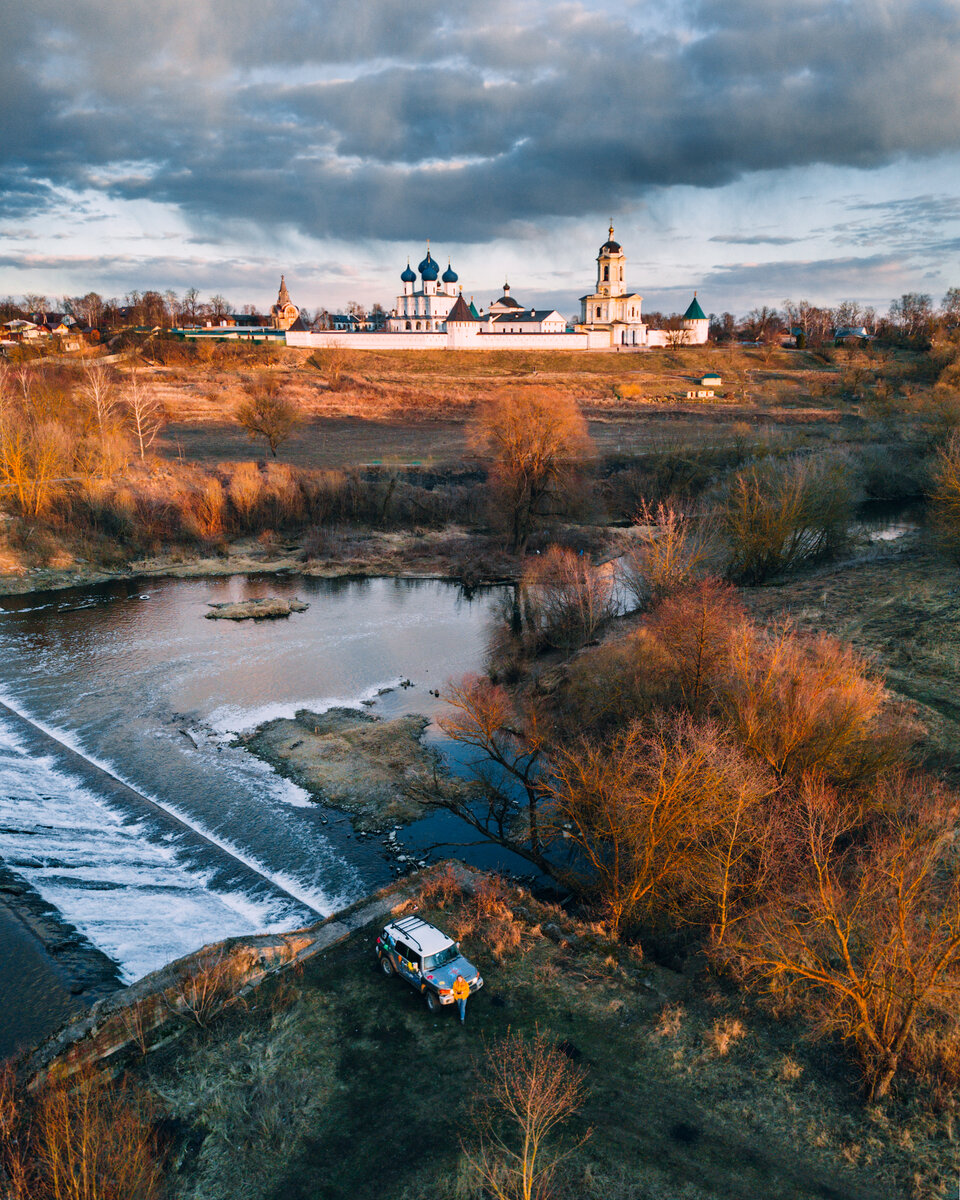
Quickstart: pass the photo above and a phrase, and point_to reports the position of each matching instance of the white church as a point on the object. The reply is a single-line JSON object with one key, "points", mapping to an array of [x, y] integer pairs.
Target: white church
{"points": [[436, 316], [612, 309]]}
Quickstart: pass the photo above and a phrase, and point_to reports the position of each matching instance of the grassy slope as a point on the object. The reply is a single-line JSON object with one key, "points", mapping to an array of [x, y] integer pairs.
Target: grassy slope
{"points": [[344, 1086]]}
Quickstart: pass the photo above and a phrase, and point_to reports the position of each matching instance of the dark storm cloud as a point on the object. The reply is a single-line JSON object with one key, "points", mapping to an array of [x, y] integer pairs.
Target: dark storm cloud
{"points": [[387, 120]]}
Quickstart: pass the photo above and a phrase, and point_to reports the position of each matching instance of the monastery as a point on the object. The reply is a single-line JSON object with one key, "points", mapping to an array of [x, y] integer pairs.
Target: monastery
{"points": [[431, 313]]}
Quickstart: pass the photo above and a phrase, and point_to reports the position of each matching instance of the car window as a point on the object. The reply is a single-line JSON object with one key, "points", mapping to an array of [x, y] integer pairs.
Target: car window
{"points": [[407, 954], [441, 958]]}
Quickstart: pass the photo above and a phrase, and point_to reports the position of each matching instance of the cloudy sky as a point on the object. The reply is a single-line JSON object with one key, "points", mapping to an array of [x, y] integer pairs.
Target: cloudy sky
{"points": [[752, 149]]}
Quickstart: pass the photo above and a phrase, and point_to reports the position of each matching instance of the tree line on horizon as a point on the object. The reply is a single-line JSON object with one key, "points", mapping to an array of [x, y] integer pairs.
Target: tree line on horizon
{"points": [[913, 319]]}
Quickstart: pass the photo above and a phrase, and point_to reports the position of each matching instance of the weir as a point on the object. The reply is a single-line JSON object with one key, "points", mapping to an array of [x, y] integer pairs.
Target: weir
{"points": [[228, 871]]}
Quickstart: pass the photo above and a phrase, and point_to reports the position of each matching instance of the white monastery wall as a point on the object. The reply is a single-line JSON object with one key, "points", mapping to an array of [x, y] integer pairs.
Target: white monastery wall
{"points": [[370, 341], [451, 341]]}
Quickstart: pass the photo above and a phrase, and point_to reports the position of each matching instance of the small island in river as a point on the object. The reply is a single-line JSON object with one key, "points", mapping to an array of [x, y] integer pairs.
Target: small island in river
{"points": [[267, 608], [372, 769]]}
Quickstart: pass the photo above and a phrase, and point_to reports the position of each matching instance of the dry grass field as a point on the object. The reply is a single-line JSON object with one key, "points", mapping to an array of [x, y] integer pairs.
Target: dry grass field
{"points": [[398, 408]]}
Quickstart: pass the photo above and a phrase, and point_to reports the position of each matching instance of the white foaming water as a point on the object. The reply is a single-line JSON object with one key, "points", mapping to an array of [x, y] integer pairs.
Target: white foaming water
{"points": [[122, 887], [231, 719], [314, 898], [205, 742]]}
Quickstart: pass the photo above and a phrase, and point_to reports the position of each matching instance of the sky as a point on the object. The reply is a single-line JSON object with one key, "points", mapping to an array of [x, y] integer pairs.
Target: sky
{"points": [[751, 150]]}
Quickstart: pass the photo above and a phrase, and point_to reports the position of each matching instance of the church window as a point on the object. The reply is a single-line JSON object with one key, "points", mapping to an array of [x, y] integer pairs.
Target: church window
{"points": [[598, 312], [418, 324], [606, 273], [408, 324]]}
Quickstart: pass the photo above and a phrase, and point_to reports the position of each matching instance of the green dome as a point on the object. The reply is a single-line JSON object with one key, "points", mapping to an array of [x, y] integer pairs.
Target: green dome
{"points": [[694, 312]]}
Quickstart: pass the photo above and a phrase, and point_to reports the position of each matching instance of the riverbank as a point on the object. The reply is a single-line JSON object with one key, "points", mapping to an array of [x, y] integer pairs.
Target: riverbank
{"points": [[449, 554], [131, 678]]}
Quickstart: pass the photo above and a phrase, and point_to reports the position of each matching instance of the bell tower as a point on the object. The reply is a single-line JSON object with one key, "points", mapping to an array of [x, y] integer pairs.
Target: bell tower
{"points": [[610, 263]]}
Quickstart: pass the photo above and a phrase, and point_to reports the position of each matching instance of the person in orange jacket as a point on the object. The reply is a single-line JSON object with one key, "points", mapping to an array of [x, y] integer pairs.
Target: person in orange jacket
{"points": [[461, 993]]}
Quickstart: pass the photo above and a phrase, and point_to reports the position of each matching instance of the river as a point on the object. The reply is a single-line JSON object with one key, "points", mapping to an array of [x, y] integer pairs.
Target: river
{"points": [[122, 799]]}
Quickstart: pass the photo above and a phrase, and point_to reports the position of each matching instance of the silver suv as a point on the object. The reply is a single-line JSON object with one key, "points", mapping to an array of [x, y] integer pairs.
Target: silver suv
{"points": [[426, 958]]}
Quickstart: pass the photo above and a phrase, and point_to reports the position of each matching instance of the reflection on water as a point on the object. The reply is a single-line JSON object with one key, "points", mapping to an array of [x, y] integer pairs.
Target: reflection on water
{"points": [[133, 676]]}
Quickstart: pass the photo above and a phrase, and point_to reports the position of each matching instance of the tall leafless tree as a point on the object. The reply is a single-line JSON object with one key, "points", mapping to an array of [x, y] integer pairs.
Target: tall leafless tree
{"points": [[145, 413]]}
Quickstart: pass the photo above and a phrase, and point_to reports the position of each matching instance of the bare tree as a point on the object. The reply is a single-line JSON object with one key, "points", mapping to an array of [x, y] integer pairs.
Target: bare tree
{"points": [[805, 704], [528, 1090], [912, 313], [145, 413], [219, 307], [676, 335], [663, 822], [536, 441], [80, 1137], [34, 447], [190, 304], [266, 413], [668, 550], [697, 627], [870, 939], [100, 393], [568, 598], [945, 497], [203, 991], [951, 305], [331, 360], [511, 741]]}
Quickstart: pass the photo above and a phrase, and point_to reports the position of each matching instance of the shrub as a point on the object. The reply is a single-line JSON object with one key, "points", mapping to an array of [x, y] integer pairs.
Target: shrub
{"points": [[724, 1034], [266, 413], [568, 599], [663, 822], [945, 496], [243, 490], [611, 685], [202, 992], [527, 1090], [893, 472], [805, 704], [867, 938], [81, 1137], [673, 551], [775, 516], [441, 889], [536, 442], [696, 628]]}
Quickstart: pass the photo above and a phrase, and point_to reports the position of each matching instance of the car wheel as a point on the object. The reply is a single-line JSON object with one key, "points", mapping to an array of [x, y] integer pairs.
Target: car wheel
{"points": [[386, 966], [433, 1002]]}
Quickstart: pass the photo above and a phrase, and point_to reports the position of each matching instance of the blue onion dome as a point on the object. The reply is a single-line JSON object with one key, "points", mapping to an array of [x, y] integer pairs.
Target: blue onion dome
{"points": [[428, 269], [449, 275], [408, 276]]}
